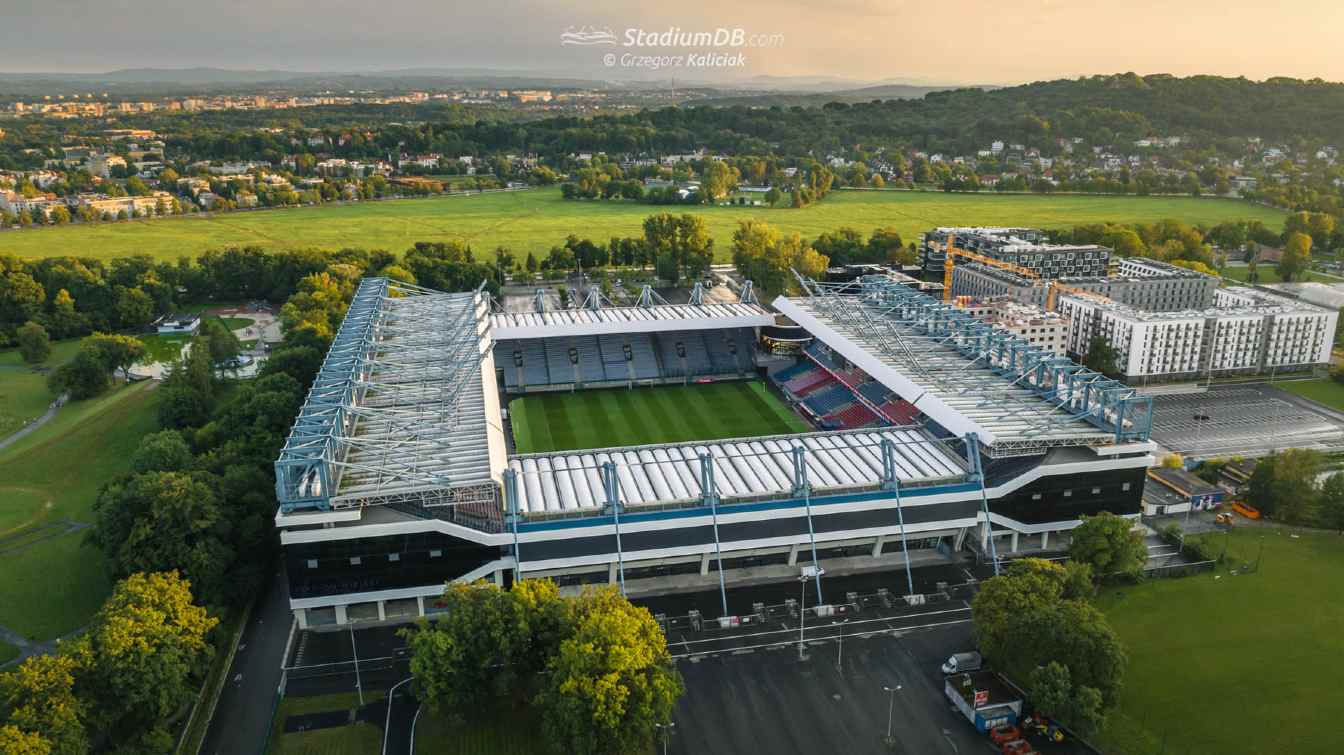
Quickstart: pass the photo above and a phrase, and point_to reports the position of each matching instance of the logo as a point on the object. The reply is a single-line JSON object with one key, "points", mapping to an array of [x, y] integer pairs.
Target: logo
{"points": [[588, 35]]}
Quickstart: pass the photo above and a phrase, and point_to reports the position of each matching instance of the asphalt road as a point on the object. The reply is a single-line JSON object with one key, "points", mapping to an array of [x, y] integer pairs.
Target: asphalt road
{"points": [[242, 720]]}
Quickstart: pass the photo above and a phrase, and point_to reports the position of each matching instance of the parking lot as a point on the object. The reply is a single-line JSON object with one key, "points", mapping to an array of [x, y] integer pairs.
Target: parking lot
{"points": [[834, 701], [1246, 420]]}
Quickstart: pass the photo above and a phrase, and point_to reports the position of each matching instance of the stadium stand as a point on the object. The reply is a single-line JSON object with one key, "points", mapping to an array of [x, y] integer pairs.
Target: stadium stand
{"points": [[644, 358], [534, 363], [624, 357], [615, 364], [557, 360], [829, 401], [590, 360], [854, 417]]}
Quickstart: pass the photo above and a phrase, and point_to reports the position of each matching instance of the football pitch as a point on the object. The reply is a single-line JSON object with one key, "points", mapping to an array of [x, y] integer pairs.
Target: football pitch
{"points": [[663, 414]]}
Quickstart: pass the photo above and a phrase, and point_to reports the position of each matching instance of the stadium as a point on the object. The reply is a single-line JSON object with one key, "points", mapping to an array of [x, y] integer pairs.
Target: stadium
{"points": [[447, 439]]}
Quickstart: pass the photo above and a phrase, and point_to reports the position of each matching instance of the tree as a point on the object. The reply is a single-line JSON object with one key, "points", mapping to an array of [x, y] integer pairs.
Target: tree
{"points": [[1054, 694], [165, 520], [116, 352], [21, 298], [34, 343], [1029, 584], [1331, 513], [39, 697], [84, 376], [611, 681], [1284, 486], [63, 321], [773, 195], [139, 654], [1173, 461], [16, 741], [767, 257], [718, 180], [886, 246], [1101, 356], [220, 342], [164, 451], [1109, 544], [188, 394], [1296, 259]]}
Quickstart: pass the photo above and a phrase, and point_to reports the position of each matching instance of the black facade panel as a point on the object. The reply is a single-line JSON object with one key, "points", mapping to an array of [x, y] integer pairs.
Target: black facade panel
{"points": [[383, 563], [1064, 497]]}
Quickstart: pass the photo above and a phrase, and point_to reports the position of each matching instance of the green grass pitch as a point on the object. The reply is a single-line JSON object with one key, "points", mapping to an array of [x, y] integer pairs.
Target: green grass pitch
{"points": [[664, 414]]}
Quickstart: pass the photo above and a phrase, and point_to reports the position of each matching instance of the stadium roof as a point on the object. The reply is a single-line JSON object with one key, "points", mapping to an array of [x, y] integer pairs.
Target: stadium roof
{"points": [[750, 468], [966, 375], [401, 409], [657, 318]]}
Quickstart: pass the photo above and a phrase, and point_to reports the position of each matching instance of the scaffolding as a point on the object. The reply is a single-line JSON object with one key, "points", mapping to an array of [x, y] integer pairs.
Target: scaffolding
{"points": [[397, 413], [1022, 399]]}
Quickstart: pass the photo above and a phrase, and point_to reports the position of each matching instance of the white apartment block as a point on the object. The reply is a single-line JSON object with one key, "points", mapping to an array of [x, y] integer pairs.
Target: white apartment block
{"points": [[1247, 331]]}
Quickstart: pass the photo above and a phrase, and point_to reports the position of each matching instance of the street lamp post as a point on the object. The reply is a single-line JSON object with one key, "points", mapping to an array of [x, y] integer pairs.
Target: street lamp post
{"points": [[840, 654], [891, 704], [359, 687], [666, 730]]}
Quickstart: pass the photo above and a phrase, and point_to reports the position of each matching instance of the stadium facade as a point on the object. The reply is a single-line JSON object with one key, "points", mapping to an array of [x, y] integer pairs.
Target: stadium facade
{"points": [[933, 431]]}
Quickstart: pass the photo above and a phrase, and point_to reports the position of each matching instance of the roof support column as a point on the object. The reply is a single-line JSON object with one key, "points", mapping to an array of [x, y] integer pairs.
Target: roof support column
{"points": [[709, 488], [890, 482], [802, 487], [511, 506], [977, 475], [611, 483]]}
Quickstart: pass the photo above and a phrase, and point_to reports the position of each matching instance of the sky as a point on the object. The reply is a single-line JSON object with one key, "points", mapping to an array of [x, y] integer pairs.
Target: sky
{"points": [[932, 41]]}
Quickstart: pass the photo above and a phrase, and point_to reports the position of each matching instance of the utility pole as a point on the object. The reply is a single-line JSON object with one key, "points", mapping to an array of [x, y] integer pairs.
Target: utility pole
{"points": [[840, 655]]}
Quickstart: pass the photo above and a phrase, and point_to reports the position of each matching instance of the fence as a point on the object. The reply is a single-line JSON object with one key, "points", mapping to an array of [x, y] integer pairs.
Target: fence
{"points": [[1179, 570]]}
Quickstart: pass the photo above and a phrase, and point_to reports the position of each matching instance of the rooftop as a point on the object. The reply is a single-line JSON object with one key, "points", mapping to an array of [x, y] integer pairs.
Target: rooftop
{"points": [[638, 319], [966, 375], [744, 469], [401, 409]]}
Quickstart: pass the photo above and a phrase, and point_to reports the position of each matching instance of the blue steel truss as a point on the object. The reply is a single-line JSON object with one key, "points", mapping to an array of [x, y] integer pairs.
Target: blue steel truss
{"points": [[395, 414], [1030, 397]]}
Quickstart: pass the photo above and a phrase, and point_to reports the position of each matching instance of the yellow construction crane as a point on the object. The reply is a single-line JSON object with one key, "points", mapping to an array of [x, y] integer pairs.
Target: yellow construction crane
{"points": [[953, 252]]}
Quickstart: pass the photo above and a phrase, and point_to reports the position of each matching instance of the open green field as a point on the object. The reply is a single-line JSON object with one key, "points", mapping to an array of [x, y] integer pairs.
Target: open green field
{"points": [[1234, 664], [511, 733], [1270, 274], [23, 390], [534, 221], [50, 581], [663, 414], [1326, 392], [355, 739]]}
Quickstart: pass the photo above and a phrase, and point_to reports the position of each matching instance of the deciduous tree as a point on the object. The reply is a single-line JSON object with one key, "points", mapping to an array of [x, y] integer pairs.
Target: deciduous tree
{"points": [[1109, 544], [34, 343], [140, 653]]}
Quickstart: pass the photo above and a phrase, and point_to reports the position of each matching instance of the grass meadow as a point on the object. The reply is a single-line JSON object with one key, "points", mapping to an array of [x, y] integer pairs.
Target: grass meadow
{"points": [[535, 220], [1223, 663], [52, 581]]}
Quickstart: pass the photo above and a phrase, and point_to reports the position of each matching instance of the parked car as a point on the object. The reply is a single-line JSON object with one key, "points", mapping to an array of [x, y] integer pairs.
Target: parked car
{"points": [[1018, 747], [1001, 735]]}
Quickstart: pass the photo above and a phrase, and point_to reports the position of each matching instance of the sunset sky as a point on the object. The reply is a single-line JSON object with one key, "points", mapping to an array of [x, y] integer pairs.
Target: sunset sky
{"points": [[941, 41]]}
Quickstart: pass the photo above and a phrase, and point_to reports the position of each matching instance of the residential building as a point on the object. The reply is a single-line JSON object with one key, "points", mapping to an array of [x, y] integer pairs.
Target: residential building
{"points": [[1246, 331], [1144, 284], [1025, 247]]}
